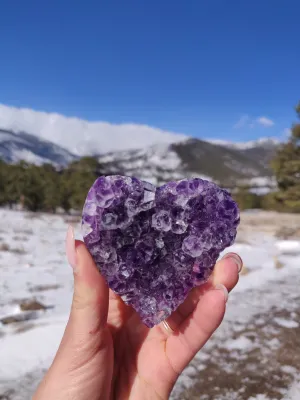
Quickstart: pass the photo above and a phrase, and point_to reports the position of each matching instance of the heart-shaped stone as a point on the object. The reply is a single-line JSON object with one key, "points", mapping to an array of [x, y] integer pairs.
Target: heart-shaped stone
{"points": [[153, 245]]}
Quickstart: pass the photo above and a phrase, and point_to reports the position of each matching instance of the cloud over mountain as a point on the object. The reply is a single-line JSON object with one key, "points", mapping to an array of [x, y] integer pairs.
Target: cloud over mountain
{"points": [[80, 136]]}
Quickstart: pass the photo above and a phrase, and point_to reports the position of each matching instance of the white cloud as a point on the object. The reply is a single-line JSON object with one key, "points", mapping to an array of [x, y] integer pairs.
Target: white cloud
{"points": [[80, 136], [242, 122], [266, 122], [246, 121]]}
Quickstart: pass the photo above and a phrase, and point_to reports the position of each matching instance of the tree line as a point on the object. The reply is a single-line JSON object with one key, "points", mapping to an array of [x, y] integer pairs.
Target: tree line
{"points": [[46, 188], [286, 169]]}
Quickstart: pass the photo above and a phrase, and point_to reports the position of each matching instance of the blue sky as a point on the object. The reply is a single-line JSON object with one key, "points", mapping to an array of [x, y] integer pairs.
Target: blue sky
{"points": [[205, 68]]}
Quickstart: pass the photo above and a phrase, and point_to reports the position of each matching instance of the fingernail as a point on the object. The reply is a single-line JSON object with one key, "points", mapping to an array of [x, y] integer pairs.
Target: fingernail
{"points": [[70, 248], [236, 259], [219, 286]]}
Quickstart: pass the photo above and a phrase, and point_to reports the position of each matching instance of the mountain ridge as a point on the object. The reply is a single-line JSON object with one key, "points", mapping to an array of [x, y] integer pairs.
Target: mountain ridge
{"points": [[226, 165], [23, 146]]}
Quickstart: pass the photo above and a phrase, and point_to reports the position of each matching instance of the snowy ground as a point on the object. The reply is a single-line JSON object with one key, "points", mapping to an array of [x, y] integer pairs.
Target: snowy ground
{"points": [[253, 356]]}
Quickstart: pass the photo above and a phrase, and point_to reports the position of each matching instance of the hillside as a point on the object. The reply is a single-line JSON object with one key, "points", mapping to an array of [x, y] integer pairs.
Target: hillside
{"points": [[195, 157], [15, 147], [226, 164]]}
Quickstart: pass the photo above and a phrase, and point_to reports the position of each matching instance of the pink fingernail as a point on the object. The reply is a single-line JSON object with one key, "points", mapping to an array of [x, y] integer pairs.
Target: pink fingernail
{"points": [[219, 286], [70, 248], [236, 259]]}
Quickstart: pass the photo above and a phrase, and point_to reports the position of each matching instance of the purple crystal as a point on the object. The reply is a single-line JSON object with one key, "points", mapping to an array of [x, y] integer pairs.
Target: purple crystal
{"points": [[153, 245]]}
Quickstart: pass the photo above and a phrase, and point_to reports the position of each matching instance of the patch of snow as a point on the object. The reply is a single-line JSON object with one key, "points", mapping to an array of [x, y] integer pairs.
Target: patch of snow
{"points": [[29, 156], [242, 343], [287, 369], [274, 343], [286, 323], [38, 344], [156, 164], [288, 245], [6, 136], [294, 391], [7, 310]]}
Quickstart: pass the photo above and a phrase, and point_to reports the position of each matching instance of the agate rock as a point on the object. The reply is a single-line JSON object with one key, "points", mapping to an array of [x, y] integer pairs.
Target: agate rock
{"points": [[153, 245]]}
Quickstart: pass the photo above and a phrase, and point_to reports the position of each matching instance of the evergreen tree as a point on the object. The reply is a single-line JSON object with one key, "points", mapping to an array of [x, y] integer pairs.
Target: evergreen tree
{"points": [[33, 189], [51, 183], [14, 182], [76, 181], [286, 166], [246, 199], [3, 181]]}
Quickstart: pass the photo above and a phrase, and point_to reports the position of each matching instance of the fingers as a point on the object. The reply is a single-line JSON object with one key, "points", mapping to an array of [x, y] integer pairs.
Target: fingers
{"points": [[195, 330], [226, 272], [90, 299], [202, 312], [88, 316], [86, 343]]}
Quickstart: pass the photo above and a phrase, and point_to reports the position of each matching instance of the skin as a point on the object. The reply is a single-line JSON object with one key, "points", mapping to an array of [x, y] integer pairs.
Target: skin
{"points": [[108, 353]]}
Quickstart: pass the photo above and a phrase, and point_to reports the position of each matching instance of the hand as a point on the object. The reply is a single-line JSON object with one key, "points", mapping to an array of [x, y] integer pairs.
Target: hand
{"points": [[108, 353]]}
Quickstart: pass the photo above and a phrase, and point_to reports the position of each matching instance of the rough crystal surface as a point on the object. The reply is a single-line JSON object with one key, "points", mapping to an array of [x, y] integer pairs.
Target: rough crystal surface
{"points": [[153, 245]]}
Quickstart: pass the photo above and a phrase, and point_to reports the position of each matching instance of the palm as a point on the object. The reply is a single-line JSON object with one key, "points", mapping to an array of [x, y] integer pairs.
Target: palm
{"points": [[106, 339], [147, 361]]}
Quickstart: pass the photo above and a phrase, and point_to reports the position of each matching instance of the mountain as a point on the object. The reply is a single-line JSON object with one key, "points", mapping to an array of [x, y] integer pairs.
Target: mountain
{"points": [[81, 136], [23, 146], [265, 142], [228, 165]]}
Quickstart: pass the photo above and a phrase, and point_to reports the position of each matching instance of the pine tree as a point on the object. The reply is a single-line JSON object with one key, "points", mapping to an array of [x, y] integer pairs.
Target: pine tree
{"points": [[51, 188], [33, 190], [14, 183], [76, 180], [3, 181], [286, 166]]}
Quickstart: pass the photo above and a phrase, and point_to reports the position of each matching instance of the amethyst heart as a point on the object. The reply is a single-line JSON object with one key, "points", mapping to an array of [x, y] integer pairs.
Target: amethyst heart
{"points": [[153, 245]]}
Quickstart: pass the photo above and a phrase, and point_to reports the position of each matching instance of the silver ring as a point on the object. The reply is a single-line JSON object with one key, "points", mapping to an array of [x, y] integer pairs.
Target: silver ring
{"points": [[167, 327]]}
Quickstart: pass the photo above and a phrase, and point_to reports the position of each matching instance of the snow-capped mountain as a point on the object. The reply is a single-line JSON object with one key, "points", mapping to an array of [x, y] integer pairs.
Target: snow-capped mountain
{"points": [[82, 137], [23, 146], [225, 164], [156, 164], [194, 157]]}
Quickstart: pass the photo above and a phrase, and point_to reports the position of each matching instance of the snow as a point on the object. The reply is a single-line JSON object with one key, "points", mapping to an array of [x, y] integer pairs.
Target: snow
{"points": [[22, 146], [156, 164], [32, 343], [294, 391], [5, 136], [287, 369], [288, 246], [286, 323], [242, 343], [35, 267], [84, 137], [269, 141], [29, 156]]}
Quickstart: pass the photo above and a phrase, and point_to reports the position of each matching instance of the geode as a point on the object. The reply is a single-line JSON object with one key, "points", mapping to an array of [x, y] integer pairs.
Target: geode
{"points": [[153, 245]]}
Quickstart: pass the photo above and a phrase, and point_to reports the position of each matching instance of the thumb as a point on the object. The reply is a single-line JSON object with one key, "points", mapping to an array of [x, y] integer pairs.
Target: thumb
{"points": [[90, 299], [77, 371]]}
